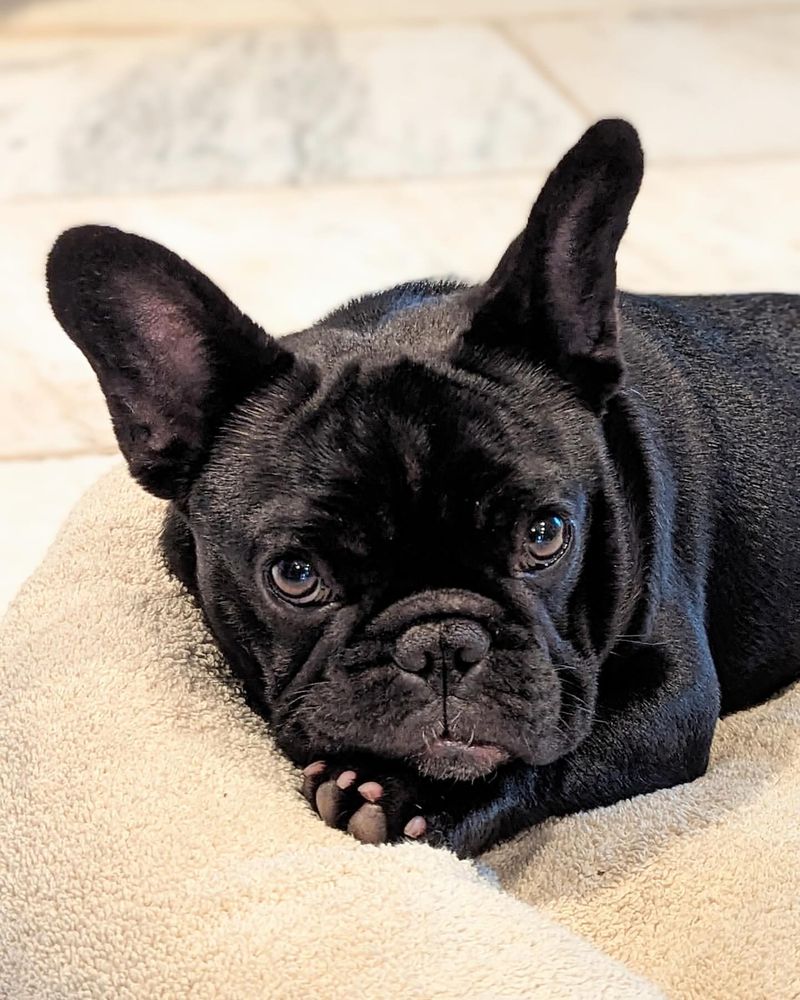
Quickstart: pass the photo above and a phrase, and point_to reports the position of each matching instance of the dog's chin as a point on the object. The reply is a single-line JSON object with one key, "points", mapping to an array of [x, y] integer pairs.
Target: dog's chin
{"points": [[451, 760]]}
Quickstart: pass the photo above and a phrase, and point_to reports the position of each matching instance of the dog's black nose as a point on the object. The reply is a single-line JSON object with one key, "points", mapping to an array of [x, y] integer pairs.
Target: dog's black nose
{"points": [[448, 644]]}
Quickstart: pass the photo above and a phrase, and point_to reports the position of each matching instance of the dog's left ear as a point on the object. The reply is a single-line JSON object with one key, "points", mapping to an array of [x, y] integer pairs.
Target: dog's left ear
{"points": [[552, 298]]}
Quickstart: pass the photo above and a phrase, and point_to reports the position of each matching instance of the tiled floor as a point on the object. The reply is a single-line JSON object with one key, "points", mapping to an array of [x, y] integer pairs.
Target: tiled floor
{"points": [[302, 151]]}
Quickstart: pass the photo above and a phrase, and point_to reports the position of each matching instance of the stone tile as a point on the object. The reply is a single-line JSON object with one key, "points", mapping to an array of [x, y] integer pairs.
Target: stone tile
{"points": [[286, 256], [712, 228], [50, 16], [35, 497], [39, 16], [171, 112], [692, 8], [289, 255], [716, 86], [398, 11]]}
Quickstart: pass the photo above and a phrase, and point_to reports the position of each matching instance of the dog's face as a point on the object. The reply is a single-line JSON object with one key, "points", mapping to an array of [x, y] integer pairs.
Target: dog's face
{"points": [[401, 523], [402, 558]]}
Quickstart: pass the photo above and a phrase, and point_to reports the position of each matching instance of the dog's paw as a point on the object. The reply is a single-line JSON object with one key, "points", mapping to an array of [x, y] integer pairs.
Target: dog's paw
{"points": [[365, 799]]}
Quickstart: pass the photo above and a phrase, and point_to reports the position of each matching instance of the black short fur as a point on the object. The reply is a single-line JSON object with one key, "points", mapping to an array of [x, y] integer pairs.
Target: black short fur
{"points": [[405, 444]]}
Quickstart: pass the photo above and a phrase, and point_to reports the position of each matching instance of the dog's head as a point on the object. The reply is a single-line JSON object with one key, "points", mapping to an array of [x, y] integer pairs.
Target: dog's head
{"points": [[400, 523]]}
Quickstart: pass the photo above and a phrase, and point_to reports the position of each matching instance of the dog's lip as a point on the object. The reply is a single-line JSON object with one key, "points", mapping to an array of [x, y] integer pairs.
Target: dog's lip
{"points": [[487, 755]]}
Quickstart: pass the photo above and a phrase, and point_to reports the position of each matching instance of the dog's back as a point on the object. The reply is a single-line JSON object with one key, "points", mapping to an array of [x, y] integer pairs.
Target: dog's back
{"points": [[717, 378]]}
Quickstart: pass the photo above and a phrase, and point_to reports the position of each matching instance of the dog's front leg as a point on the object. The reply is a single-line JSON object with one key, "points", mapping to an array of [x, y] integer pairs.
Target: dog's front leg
{"points": [[655, 719]]}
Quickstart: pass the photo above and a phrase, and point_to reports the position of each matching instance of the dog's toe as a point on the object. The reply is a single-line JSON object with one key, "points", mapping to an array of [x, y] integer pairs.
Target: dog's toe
{"points": [[375, 808], [368, 824], [371, 791], [328, 801], [346, 779], [415, 827]]}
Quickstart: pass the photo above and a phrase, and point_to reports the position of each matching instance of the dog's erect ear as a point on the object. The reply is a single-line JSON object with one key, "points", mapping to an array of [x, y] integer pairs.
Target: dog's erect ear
{"points": [[172, 354], [552, 298]]}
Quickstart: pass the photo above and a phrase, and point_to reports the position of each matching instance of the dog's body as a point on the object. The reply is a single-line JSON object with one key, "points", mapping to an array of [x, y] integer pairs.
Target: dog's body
{"points": [[706, 436], [473, 579]]}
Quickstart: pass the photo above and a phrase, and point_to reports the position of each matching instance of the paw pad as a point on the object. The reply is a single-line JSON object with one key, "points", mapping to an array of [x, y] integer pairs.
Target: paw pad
{"points": [[349, 799]]}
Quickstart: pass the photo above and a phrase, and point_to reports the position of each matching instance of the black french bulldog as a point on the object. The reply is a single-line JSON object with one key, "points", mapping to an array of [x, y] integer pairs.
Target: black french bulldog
{"points": [[481, 555]]}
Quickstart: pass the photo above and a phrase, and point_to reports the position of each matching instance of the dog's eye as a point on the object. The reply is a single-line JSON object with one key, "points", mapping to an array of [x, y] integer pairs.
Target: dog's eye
{"points": [[296, 580], [547, 539]]}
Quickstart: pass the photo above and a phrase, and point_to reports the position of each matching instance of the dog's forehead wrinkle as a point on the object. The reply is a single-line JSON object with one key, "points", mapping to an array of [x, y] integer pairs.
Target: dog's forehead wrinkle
{"points": [[411, 440], [339, 465], [395, 444]]}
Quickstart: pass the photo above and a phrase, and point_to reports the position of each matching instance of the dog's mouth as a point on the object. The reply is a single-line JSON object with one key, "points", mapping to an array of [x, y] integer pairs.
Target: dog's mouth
{"points": [[448, 758]]}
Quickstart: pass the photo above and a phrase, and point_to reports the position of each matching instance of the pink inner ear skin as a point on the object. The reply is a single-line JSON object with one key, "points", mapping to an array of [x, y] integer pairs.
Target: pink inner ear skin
{"points": [[159, 375], [170, 351]]}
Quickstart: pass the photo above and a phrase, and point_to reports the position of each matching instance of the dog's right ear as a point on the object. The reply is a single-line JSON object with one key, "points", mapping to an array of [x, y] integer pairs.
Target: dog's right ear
{"points": [[173, 355]]}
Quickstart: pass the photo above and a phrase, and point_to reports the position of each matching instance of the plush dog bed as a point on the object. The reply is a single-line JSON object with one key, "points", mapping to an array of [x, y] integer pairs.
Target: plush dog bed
{"points": [[153, 843]]}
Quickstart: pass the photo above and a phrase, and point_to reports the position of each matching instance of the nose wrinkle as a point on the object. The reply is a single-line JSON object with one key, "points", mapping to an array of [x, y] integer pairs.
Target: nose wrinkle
{"points": [[434, 604], [444, 671]]}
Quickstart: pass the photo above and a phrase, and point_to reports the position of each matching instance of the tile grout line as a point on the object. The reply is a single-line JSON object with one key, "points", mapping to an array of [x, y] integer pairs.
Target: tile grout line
{"points": [[314, 18], [65, 456], [317, 20], [691, 12], [677, 163], [503, 30]]}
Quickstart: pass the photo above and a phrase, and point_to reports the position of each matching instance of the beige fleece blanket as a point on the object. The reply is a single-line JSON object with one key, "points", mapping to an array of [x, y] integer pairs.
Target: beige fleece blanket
{"points": [[154, 844]]}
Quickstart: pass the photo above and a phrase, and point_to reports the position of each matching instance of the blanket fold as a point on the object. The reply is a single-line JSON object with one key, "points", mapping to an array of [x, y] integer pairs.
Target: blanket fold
{"points": [[153, 842]]}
